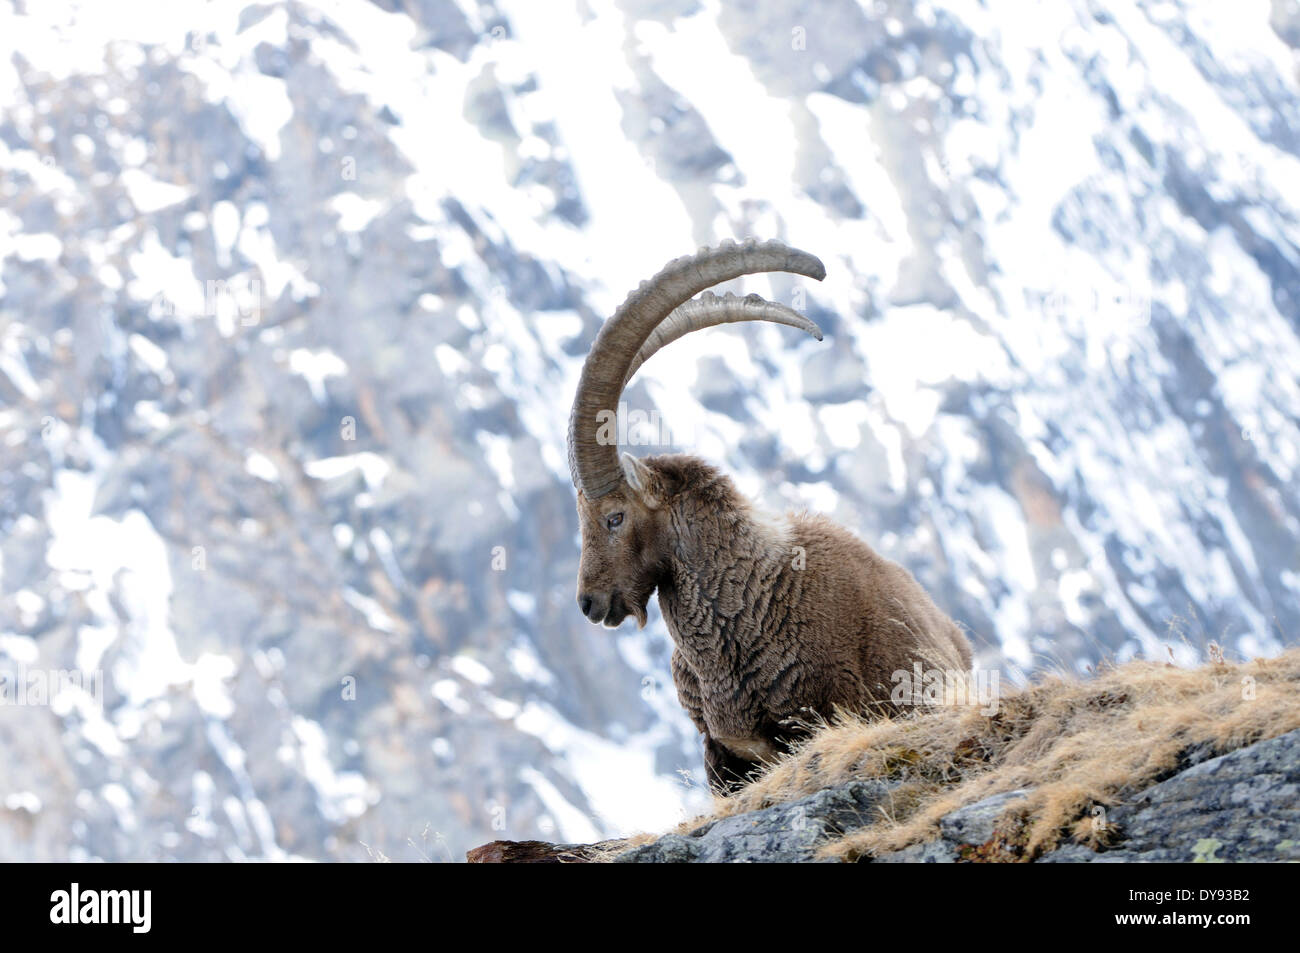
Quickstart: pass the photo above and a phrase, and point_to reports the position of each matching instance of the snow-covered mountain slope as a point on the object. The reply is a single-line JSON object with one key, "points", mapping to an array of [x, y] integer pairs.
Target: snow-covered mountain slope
{"points": [[293, 299]]}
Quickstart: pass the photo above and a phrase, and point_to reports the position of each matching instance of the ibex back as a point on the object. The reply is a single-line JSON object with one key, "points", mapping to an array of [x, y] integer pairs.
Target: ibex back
{"points": [[776, 621]]}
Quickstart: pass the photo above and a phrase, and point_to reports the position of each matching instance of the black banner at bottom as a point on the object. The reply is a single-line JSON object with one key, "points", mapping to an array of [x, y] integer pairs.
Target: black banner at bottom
{"points": [[336, 902]]}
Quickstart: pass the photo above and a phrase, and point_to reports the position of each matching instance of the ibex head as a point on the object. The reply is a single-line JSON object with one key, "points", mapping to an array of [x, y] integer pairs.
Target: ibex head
{"points": [[623, 502]]}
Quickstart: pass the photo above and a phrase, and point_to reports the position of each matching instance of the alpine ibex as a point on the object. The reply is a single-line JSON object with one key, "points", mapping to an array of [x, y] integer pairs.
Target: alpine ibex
{"points": [[776, 620]]}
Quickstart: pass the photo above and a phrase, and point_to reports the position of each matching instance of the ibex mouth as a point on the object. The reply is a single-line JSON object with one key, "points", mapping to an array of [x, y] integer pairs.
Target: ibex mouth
{"points": [[617, 612]]}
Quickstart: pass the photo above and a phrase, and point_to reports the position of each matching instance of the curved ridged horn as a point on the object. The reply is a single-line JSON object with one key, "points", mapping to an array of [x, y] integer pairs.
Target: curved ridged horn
{"points": [[594, 463], [708, 311]]}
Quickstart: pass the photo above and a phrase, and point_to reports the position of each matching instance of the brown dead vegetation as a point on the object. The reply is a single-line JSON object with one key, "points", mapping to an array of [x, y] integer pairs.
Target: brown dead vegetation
{"points": [[1078, 744]]}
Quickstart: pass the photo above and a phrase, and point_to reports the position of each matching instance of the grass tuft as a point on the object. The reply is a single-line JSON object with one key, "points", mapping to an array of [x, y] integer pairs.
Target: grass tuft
{"points": [[1079, 745]]}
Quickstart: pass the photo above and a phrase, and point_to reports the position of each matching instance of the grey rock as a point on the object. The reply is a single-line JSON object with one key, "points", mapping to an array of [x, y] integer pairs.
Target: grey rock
{"points": [[966, 826], [1241, 806], [973, 824], [669, 849], [931, 852], [782, 834]]}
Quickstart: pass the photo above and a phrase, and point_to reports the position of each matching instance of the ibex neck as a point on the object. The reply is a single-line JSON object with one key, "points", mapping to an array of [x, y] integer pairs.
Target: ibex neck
{"points": [[721, 579]]}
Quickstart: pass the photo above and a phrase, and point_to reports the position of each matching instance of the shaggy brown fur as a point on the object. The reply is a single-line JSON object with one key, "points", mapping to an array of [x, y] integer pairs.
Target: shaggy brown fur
{"points": [[777, 623]]}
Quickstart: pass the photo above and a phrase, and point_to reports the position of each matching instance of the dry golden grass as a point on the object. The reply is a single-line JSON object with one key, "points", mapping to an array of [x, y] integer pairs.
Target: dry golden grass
{"points": [[1076, 743]]}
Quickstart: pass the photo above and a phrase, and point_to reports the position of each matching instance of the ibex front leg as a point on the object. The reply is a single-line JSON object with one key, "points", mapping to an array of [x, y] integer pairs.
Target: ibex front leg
{"points": [[727, 772]]}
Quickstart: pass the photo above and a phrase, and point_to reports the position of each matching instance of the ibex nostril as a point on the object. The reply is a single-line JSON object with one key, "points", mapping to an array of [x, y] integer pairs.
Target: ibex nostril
{"points": [[584, 603]]}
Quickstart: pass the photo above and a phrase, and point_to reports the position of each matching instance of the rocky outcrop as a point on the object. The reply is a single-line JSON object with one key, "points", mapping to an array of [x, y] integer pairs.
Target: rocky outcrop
{"points": [[1243, 806], [783, 834], [537, 852], [1240, 807]]}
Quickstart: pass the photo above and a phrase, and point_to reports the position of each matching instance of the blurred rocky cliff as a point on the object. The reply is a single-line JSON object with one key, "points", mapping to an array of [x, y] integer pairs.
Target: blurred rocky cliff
{"points": [[293, 298]]}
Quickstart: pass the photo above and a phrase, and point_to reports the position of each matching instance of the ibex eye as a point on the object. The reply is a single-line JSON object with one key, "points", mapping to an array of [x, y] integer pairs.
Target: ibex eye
{"points": [[613, 520]]}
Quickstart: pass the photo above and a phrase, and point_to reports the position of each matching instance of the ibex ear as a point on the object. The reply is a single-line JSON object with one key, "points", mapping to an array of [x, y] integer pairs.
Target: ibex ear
{"points": [[640, 479]]}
